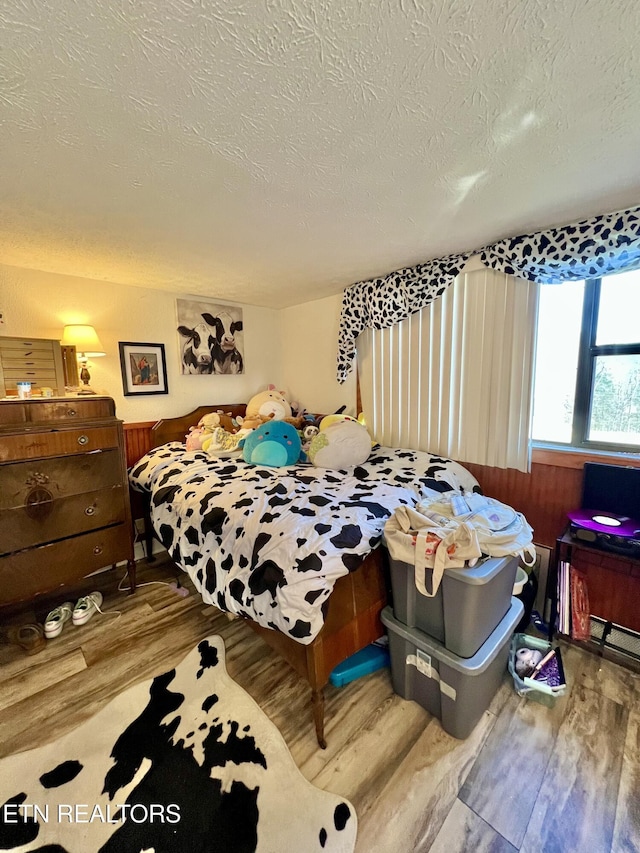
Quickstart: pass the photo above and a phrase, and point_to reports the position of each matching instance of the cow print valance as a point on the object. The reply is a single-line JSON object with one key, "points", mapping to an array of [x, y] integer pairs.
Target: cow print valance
{"points": [[383, 302], [587, 249]]}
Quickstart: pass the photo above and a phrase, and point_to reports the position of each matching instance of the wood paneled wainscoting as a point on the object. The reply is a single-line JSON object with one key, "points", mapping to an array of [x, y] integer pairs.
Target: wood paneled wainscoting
{"points": [[137, 441], [553, 488]]}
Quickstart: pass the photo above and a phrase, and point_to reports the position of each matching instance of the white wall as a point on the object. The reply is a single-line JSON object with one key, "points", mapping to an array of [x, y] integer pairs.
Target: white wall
{"points": [[38, 304], [309, 350]]}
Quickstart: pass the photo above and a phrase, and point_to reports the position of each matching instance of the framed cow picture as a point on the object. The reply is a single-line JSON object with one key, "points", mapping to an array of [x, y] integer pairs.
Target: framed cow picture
{"points": [[144, 369], [211, 338]]}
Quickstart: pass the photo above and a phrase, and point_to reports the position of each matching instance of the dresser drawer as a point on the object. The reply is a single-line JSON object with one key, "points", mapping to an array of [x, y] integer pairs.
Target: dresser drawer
{"points": [[25, 347], [33, 444], [32, 373], [54, 411], [48, 521], [38, 380], [28, 483], [70, 409], [13, 413], [44, 569]]}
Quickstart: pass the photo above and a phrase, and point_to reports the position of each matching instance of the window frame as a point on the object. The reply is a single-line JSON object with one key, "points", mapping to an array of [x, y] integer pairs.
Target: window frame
{"points": [[588, 352]]}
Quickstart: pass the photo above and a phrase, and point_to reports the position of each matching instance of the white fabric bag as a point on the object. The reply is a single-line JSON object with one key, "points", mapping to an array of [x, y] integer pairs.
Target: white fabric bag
{"points": [[425, 543], [431, 537], [502, 531]]}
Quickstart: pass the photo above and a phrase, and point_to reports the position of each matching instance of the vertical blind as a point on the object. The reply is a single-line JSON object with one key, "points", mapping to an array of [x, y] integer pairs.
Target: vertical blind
{"points": [[456, 377]]}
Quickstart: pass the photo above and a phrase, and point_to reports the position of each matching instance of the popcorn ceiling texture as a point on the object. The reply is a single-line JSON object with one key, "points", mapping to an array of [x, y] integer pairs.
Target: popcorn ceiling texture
{"points": [[275, 152]]}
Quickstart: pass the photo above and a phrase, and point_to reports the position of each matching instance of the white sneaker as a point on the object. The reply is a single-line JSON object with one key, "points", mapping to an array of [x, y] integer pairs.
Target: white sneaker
{"points": [[86, 607], [55, 620]]}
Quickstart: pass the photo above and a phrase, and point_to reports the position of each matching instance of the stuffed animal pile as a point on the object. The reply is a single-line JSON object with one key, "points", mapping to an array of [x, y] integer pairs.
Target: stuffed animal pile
{"points": [[271, 434], [201, 435]]}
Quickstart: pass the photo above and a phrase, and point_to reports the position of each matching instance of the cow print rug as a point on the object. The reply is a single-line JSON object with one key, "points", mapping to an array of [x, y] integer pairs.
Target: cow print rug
{"points": [[185, 762]]}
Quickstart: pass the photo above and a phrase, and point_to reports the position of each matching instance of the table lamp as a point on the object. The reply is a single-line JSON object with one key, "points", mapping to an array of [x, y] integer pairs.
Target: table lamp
{"points": [[87, 344]]}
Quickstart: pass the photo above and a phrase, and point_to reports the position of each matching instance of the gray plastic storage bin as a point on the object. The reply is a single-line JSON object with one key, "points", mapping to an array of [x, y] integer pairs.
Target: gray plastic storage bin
{"points": [[467, 607], [455, 690]]}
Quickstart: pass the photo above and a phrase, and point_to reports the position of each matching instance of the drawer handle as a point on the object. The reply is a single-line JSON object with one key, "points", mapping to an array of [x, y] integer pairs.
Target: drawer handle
{"points": [[97, 550], [83, 439], [90, 510], [71, 413]]}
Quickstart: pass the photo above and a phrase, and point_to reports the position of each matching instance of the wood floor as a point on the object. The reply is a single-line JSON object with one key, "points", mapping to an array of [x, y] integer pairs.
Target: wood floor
{"points": [[529, 778]]}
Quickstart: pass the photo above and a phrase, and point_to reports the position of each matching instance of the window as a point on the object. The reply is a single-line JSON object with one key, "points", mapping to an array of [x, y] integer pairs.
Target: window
{"points": [[587, 372]]}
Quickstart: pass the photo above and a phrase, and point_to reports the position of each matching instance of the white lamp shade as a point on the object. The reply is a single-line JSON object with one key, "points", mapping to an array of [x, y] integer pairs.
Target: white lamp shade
{"points": [[84, 339]]}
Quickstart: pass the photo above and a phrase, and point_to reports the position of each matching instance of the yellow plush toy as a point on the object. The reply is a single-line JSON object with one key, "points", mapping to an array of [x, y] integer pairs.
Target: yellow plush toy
{"points": [[219, 441], [335, 419]]}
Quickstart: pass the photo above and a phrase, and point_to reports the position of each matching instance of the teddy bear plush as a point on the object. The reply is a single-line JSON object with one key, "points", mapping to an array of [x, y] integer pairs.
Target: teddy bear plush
{"points": [[254, 421], [206, 426], [526, 660]]}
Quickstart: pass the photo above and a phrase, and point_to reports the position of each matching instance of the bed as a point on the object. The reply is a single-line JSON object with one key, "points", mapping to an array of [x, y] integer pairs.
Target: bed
{"points": [[294, 550]]}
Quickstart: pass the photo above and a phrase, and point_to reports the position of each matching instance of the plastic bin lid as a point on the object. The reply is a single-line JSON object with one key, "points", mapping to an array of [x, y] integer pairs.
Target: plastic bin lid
{"points": [[467, 666], [482, 572]]}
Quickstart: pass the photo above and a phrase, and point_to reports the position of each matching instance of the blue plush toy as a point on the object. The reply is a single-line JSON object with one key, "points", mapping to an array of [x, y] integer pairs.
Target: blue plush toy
{"points": [[275, 443]]}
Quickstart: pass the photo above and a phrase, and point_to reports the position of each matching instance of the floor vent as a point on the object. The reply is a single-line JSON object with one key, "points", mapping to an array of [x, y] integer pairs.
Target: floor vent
{"points": [[612, 636]]}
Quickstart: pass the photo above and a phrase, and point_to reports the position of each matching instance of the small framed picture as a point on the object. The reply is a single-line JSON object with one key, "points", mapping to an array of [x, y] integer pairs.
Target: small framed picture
{"points": [[144, 369]]}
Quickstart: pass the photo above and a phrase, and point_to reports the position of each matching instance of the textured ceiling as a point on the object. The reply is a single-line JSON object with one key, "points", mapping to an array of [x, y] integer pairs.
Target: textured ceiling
{"points": [[274, 152]]}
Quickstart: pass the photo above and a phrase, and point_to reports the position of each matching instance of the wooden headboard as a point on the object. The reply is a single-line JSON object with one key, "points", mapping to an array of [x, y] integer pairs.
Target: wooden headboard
{"points": [[175, 429]]}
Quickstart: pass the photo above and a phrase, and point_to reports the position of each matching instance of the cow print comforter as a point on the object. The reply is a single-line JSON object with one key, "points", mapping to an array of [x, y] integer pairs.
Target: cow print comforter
{"points": [[270, 543]]}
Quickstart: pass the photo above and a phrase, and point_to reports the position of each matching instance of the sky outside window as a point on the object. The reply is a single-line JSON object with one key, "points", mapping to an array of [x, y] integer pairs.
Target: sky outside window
{"points": [[559, 321]]}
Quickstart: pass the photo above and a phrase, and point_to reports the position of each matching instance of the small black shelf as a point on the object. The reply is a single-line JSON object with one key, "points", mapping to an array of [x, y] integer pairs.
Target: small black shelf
{"points": [[605, 634]]}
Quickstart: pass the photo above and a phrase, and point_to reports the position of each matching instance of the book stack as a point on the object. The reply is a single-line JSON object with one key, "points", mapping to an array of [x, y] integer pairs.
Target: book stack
{"points": [[573, 603]]}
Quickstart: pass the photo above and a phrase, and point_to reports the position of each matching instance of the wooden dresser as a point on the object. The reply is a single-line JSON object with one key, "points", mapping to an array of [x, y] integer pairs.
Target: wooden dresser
{"points": [[64, 496]]}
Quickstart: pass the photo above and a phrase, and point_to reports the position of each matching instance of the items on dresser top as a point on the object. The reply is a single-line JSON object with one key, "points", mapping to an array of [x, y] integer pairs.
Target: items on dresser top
{"points": [[64, 498], [36, 361]]}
